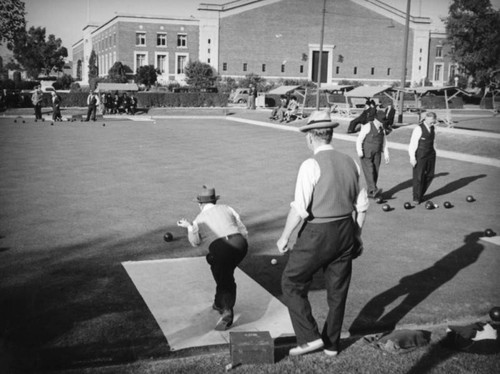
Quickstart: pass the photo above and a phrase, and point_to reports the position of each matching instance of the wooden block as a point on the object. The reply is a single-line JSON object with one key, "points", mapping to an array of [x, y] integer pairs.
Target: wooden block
{"points": [[251, 347]]}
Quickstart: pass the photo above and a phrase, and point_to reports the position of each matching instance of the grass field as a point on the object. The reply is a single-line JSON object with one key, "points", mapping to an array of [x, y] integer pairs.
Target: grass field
{"points": [[78, 199]]}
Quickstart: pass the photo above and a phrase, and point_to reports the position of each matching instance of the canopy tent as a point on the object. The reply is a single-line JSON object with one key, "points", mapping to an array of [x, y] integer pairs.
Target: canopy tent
{"points": [[284, 90], [336, 87], [110, 87], [422, 91], [368, 91]]}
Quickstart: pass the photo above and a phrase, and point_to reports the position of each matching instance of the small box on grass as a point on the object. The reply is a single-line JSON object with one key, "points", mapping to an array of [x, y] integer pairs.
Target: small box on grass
{"points": [[251, 347]]}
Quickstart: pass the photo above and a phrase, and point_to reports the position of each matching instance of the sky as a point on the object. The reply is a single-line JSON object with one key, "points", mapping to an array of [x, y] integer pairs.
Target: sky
{"points": [[67, 18]]}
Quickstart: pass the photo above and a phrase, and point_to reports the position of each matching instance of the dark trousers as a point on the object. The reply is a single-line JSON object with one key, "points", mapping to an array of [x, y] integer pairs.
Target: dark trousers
{"points": [[423, 173], [224, 255], [370, 164], [38, 111], [327, 246], [91, 112]]}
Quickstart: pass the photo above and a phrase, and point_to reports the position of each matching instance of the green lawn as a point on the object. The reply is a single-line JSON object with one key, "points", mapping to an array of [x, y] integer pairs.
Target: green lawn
{"points": [[80, 198]]}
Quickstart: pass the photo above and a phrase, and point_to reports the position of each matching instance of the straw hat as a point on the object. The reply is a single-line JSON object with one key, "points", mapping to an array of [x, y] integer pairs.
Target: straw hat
{"points": [[207, 195], [319, 119]]}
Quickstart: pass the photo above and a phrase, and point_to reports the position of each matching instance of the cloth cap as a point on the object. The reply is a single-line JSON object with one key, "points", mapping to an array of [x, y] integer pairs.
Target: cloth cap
{"points": [[207, 195], [319, 119]]}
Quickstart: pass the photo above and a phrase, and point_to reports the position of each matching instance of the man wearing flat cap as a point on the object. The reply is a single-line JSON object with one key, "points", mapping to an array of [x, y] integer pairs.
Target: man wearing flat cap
{"points": [[331, 207], [221, 229]]}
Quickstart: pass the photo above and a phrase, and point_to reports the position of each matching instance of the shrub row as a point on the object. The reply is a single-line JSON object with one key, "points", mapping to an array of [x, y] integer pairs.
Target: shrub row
{"points": [[144, 99]]}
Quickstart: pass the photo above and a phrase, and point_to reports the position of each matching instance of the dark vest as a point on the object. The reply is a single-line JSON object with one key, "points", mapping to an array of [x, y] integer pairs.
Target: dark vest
{"points": [[337, 189], [426, 143], [374, 140]]}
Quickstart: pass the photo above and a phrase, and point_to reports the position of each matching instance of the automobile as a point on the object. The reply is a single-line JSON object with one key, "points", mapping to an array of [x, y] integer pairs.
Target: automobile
{"points": [[240, 95]]}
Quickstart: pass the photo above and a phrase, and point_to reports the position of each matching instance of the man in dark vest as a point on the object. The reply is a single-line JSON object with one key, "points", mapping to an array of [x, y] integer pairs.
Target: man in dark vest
{"points": [[331, 207], [423, 156], [370, 145]]}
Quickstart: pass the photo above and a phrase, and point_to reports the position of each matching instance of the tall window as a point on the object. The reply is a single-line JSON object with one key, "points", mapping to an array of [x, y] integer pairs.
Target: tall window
{"points": [[301, 68], [140, 38], [337, 70], [283, 68], [263, 67], [140, 60], [439, 51], [373, 71], [388, 71], [245, 66], [161, 63], [181, 64], [438, 71], [182, 40], [355, 70], [224, 66], [161, 40]]}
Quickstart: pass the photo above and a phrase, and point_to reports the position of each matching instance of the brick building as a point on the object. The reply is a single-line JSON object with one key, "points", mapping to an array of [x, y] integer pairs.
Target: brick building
{"points": [[363, 41]]}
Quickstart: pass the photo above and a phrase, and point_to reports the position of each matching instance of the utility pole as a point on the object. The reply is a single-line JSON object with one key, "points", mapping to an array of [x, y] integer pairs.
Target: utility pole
{"points": [[320, 53], [405, 58]]}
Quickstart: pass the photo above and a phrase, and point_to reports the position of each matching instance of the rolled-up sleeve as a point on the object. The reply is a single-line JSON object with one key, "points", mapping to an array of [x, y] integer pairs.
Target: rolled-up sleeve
{"points": [[362, 202], [307, 178]]}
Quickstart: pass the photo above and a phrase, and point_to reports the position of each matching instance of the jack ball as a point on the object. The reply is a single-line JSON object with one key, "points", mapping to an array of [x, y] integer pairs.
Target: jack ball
{"points": [[495, 314], [168, 237], [447, 205], [489, 233]]}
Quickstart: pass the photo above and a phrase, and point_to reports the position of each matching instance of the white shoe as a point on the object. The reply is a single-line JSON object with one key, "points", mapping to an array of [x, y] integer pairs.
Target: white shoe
{"points": [[330, 353], [306, 348]]}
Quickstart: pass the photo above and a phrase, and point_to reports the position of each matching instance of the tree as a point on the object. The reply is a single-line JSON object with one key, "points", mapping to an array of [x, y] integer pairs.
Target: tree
{"points": [[199, 74], [473, 29], [118, 73], [12, 21], [93, 70], [146, 75], [38, 55]]}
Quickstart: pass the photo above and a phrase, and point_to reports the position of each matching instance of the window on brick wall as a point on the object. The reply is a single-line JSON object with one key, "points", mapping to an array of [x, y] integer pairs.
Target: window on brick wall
{"points": [[224, 66], [181, 63], [388, 71], [140, 60], [245, 66], [161, 63], [182, 40], [263, 67], [439, 51], [373, 71], [355, 70], [114, 39], [283, 68], [301, 68], [161, 40], [337, 70], [140, 38]]}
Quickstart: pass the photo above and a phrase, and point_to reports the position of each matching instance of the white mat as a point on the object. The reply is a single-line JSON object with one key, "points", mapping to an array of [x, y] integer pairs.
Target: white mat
{"points": [[492, 239], [180, 293]]}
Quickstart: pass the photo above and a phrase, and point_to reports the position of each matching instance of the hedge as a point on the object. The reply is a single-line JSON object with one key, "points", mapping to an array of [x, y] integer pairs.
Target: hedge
{"points": [[144, 99]]}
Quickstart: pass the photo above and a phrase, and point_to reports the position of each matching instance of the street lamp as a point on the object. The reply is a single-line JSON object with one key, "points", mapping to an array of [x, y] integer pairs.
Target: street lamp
{"points": [[405, 57], [320, 53]]}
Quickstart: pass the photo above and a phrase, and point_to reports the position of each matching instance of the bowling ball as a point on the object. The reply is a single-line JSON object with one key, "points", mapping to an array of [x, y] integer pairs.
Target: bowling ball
{"points": [[447, 205], [407, 205], [429, 205], [379, 200], [386, 207], [168, 237], [489, 232], [470, 198], [495, 314]]}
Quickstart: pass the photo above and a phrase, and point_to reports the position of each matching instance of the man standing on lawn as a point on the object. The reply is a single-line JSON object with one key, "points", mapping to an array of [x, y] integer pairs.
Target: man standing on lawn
{"points": [[423, 156], [331, 207]]}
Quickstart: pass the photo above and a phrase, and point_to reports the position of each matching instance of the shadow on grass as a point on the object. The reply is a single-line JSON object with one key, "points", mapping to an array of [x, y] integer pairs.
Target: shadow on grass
{"points": [[415, 288], [454, 186], [389, 194]]}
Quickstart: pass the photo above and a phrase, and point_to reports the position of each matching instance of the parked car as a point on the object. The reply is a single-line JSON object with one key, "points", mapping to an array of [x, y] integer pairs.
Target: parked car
{"points": [[240, 95]]}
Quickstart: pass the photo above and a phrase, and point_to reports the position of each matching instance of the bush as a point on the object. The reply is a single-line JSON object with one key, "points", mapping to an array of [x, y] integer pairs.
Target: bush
{"points": [[187, 99]]}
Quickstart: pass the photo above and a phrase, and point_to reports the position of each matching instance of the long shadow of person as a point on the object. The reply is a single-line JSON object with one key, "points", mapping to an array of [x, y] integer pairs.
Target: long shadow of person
{"points": [[389, 194], [453, 186], [415, 288]]}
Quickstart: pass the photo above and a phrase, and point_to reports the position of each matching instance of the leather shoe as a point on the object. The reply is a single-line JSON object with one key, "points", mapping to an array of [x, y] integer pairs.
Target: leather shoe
{"points": [[330, 353], [306, 348], [226, 321], [215, 307]]}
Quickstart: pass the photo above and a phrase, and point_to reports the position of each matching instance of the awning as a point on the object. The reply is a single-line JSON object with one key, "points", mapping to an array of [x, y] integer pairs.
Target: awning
{"points": [[336, 87], [367, 91], [423, 90], [283, 90], [108, 87]]}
